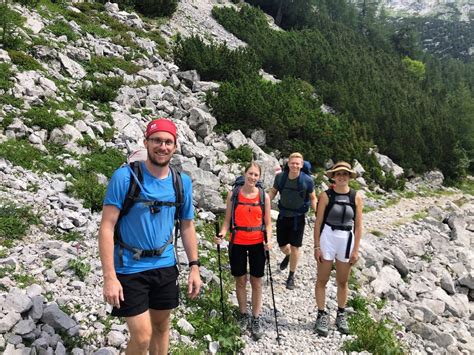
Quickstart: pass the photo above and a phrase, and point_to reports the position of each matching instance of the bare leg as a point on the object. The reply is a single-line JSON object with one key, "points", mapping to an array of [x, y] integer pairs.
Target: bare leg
{"points": [[324, 271], [295, 256], [256, 283], [160, 320], [343, 271], [286, 249], [140, 330], [241, 291]]}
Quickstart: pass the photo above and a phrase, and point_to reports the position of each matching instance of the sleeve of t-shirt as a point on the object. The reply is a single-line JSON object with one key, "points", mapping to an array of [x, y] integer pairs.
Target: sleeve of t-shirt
{"points": [[117, 188], [276, 182], [187, 211]]}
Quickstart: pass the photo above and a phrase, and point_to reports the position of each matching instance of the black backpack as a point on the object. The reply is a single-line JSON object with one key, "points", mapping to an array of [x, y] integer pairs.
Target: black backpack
{"points": [[239, 182], [332, 201], [304, 180], [133, 196]]}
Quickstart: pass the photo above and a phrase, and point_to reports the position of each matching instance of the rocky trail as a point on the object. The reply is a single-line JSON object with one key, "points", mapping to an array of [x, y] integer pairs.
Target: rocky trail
{"points": [[297, 308]]}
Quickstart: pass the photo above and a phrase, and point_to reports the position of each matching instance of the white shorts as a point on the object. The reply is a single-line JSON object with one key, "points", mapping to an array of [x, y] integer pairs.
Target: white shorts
{"points": [[334, 244]]}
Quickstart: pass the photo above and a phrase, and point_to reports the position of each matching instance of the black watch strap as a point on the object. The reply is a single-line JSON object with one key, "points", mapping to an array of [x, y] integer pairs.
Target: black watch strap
{"points": [[194, 262]]}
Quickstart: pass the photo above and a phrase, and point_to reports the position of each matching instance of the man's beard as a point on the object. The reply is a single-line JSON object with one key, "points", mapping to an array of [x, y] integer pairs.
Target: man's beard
{"points": [[157, 163]]}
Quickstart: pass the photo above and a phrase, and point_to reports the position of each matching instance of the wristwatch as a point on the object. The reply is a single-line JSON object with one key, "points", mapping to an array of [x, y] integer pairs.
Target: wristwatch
{"points": [[194, 262]]}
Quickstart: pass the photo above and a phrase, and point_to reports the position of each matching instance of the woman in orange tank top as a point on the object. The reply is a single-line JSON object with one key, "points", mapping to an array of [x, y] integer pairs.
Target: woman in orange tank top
{"points": [[251, 234]]}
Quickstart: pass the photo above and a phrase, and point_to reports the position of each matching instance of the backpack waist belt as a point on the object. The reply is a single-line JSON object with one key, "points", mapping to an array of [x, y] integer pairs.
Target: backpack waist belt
{"points": [[249, 229], [340, 228], [139, 253]]}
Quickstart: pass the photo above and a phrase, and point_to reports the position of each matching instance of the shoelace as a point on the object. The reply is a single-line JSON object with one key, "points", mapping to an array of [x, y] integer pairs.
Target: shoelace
{"points": [[324, 320], [342, 321]]}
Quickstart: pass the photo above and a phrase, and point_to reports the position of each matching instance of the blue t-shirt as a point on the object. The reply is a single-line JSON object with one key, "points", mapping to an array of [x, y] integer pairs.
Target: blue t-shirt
{"points": [[142, 229]]}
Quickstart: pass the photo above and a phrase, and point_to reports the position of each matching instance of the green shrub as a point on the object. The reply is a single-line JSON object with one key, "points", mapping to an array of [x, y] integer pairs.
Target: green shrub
{"points": [[215, 61], [5, 76], [44, 118], [290, 114], [10, 100], [106, 64], [80, 268], [24, 280], [376, 337], [23, 154], [104, 90], [10, 20], [85, 185], [29, 3], [61, 28], [156, 8], [14, 222], [103, 161], [150, 8], [89, 190], [7, 120], [242, 154], [24, 61]]}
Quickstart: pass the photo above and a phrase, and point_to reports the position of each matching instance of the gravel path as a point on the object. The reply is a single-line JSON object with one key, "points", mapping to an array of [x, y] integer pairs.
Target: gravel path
{"points": [[297, 309]]}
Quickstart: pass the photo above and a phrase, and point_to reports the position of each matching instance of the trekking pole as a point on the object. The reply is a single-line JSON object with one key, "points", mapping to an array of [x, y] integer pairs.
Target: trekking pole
{"points": [[273, 294], [220, 271]]}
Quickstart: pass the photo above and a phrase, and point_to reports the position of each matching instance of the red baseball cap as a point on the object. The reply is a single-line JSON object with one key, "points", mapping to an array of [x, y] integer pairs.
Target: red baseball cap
{"points": [[161, 125]]}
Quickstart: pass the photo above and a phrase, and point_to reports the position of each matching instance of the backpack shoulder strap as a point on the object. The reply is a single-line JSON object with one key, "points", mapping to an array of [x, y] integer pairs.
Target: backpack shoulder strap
{"points": [[134, 189], [178, 190], [262, 202], [282, 180], [234, 201], [331, 197], [352, 200]]}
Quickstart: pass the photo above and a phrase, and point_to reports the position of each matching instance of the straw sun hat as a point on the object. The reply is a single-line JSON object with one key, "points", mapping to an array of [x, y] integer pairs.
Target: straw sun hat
{"points": [[341, 166]]}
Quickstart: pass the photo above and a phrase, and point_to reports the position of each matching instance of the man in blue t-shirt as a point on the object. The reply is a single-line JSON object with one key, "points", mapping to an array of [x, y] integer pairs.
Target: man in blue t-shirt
{"points": [[144, 290]]}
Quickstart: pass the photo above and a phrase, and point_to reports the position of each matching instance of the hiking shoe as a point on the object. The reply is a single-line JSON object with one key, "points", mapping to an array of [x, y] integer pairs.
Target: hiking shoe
{"points": [[284, 262], [322, 323], [290, 283], [256, 328], [243, 321], [341, 324]]}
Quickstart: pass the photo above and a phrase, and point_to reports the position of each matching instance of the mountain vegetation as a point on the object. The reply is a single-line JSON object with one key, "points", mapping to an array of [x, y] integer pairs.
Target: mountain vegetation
{"points": [[413, 106]]}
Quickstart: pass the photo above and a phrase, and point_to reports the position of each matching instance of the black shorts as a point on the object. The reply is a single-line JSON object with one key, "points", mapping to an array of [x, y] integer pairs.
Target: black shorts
{"points": [[290, 230], [238, 259], [152, 289]]}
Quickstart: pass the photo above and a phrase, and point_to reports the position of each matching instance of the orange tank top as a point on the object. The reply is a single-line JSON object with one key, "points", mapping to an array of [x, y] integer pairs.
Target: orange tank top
{"points": [[248, 216]]}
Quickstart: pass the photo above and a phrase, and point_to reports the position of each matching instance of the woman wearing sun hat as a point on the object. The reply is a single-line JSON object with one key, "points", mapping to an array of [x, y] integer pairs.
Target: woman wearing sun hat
{"points": [[337, 234]]}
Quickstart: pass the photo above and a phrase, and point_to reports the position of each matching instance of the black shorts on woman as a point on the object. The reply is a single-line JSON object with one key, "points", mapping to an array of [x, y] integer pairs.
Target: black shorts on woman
{"points": [[254, 253]]}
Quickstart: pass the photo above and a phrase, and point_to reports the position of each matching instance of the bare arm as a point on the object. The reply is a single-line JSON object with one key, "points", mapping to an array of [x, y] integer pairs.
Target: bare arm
{"points": [[226, 224], [313, 200], [112, 288], [272, 192], [322, 204], [188, 233], [358, 228], [268, 222]]}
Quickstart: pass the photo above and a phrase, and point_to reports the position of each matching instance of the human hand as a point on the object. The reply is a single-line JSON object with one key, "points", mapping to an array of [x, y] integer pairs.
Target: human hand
{"points": [[113, 292], [317, 255], [194, 282], [354, 257], [267, 246], [218, 238]]}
